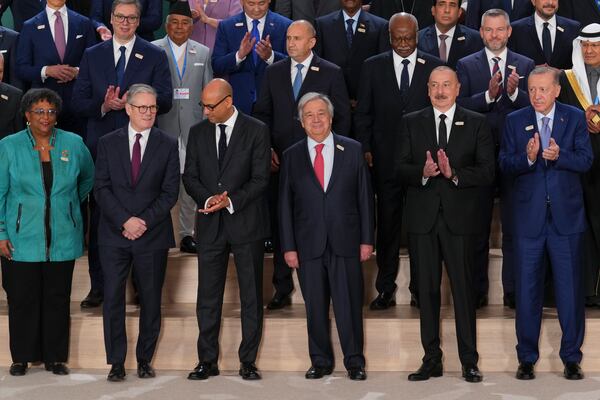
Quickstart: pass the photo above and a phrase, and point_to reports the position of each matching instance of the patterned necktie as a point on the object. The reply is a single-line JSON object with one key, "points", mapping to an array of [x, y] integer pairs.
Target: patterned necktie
{"points": [[349, 31], [222, 144], [297, 81], [442, 132], [495, 69], [319, 165], [136, 158], [546, 42], [545, 133], [256, 35], [120, 68], [59, 36], [404, 78], [443, 48]]}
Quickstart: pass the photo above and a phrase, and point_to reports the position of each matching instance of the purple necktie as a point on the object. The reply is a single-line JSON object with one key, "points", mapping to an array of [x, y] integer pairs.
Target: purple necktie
{"points": [[59, 36], [136, 158]]}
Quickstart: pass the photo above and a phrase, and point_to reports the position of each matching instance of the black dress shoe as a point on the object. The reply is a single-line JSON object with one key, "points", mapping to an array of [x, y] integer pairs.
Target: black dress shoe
{"points": [[317, 372], [116, 373], [188, 245], [482, 301], [249, 372], [573, 371], [509, 300], [428, 369], [269, 248], [92, 300], [471, 373], [57, 368], [203, 370], [18, 369], [279, 301], [144, 370], [525, 371], [357, 374], [383, 301], [592, 301], [414, 300]]}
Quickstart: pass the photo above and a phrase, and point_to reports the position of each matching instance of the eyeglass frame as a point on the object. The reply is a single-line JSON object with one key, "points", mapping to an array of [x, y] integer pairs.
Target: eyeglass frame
{"points": [[211, 107], [39, 112], [131, 19], [144, 109]]}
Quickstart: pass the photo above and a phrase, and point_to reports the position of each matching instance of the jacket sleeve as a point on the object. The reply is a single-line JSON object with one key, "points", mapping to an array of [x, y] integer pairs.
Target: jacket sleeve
{"points": [[365, 202], [85, 102], [4, 187], [286, 208], [580, 158], [26, 69], [223, 58], [467, 98], [191, 174], [407, 170], [512, 160]]}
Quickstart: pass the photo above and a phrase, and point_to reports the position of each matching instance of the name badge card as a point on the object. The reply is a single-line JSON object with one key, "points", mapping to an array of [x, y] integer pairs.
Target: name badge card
{"points": [[181, 94]]}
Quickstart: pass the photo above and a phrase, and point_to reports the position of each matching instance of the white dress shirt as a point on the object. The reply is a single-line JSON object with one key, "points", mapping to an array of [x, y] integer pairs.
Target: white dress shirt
{"points": [[354, 20], [306, 63], [143, 140], [502, 66], [327, 152], [178, 51], [450, 35], [398, 66], [128, 50], [51, 21], [261, 28], [539, 26]]}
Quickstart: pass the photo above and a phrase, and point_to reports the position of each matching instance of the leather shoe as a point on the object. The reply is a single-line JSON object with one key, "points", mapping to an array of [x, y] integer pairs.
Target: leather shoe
{"points": [[317, 372], [383, 301], [592, 301], [188, 245], [18, 369], [509, 300], [249, 372], [482, 301], [573, 371], [279, 301], [57, 368], [203, 370], [92, 300], [145, 370], [357, 374], [414, 300], [428, 369], [117, 373], [525, 371], [471, 373]]}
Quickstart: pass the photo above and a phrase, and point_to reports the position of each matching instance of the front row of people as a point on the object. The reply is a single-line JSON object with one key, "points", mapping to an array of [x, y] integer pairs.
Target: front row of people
{"points": [[444, 155]]}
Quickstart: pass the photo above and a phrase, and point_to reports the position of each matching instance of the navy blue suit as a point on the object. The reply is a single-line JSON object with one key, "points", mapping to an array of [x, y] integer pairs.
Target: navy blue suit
{"points": [[150, 21], [22, 10], [465, 41], [524, 40], [8, 48], [548, 214], [246, 77], [37, 49], [476, 8]]}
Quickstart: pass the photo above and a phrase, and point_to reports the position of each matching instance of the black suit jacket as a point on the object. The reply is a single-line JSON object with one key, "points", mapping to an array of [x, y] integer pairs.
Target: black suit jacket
{"points": [[8, 48], [421, 9], [22, 10], [476, 8], [524, 40], [11, 120], [471, 152], [370, 38], [150, 199], [278, 109], [341, 216], [244, 175], [464, 42], [381, 106], [584, 11]]}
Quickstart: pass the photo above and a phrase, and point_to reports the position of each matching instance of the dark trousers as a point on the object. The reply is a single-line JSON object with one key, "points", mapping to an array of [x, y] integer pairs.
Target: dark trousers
{"points": [[39, 318], [565, 258], [149, 274], [94, 264], [282, 274], [341, 279], [482, 244], [212, 272], [457, 251]]}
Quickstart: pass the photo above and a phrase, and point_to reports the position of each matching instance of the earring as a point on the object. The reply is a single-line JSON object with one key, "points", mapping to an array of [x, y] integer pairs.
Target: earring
{"points": [[28, 123]]}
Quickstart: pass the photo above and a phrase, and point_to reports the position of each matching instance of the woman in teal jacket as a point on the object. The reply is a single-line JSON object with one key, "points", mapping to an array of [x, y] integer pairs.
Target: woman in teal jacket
{"points": [[45, 173]]}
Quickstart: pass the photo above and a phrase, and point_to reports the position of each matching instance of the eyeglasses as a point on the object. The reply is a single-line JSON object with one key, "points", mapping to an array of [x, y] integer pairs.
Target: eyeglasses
{"points": [[40, 112], [144, 109], [212, 107], [131, 19]]}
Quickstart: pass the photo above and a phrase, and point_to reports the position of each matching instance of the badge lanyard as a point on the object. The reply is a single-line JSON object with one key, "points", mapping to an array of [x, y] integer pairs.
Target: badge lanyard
{"points": [[180, 74]]}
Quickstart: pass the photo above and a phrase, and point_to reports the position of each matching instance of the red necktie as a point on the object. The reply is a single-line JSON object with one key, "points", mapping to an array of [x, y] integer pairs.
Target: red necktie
{"points": [[136, 158], [319, 165]]}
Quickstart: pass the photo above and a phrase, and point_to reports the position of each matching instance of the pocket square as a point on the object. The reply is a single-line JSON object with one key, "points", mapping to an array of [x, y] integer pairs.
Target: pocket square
{"points": [[78, 36]]}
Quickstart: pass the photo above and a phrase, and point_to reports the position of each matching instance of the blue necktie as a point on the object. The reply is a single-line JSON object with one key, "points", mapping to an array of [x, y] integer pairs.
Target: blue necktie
{"points": [[545, 133], [404, 79], [297, 81], [256, 36], [349, 31], [120, 68]]}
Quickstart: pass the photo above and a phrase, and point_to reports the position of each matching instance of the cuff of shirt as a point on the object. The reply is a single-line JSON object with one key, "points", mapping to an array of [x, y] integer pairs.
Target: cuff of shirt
{"points": [[424, 181], [488, 99], [271, 59], [43, 74], [530, 162], [238, 60], [514, 96]]}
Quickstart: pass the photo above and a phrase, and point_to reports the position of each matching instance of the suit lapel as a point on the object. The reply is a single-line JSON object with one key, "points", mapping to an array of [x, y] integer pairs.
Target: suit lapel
{"points": [[210, 144], [559, 124], [483, 65], [558, 40], [429, 122], [236, 137], [109, 64], [42, 20], [456, 129], [391, 75], [361, 32], [153, 144], [457, 44], [136, 58], [286, 80], [338, 162], [123, 153], [533, 35], [72, 35], [418, 76], [430, 41], [309, 165], [311, 75]]}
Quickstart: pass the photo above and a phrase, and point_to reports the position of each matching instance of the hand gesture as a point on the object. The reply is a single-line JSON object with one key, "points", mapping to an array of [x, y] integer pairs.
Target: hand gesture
{"points": [[246, 45], [512, 83], [444, 164], [533, 147], [590, 113], [134, 228], [550, 153], [291, 259], [494, 85], [431, 168], [62, 73], [215, 203], [105, 33], [264, 48]]}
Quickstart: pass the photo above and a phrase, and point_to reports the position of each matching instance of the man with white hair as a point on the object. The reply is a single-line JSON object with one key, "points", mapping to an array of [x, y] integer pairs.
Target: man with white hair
{"points": [[580, 89]]}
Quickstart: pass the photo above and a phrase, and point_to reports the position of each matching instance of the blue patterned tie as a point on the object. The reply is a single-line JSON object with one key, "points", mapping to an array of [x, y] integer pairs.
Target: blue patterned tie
{"points": [[297, 81], [350, 31], [546, 132], [256, 36], [120, 68]]}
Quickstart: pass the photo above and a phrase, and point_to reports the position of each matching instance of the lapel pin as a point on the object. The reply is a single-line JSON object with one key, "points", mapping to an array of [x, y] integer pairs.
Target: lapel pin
{"points": [[512, 67], [529, 128], [3, 51], [138, 55], [41, 26], [420, 60], [239, 24], [192, 51], [271, 24], [313, 68], [361, 30], [460, 38], [459, 123], [560, 28], [64, 155], [78, 36], [562, 119], [361, 25], [4, 97], [339, 146], [198, 64]]}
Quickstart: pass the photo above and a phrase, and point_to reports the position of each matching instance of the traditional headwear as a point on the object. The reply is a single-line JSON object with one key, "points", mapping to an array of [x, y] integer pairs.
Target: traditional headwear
{"points": [[181, 8], [589, 33]]}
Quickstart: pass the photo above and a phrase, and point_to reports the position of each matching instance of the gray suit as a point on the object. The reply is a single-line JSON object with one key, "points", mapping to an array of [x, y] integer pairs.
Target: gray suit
{"points": [[185, 113], [305, 9]]}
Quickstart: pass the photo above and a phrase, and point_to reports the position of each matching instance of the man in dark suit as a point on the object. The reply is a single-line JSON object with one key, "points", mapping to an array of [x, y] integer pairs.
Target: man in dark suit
{"points": [[8, 49], [245, 45], [447, 39], [492, 82], [304, 9], [392, 84], [445, 154], [22, 10], [545, 37], [584, 11], [11, 119], [419, 8], [367, 36], [516, 9], [546, 148], [326, 226], [105, 74], [227, 174], [285, 82], [50, 49], [151, 17], [137, 183]]}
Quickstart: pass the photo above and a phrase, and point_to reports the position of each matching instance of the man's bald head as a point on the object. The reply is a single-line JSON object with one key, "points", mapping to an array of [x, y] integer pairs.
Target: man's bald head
{"points": [[403, 33], [217, 101]]}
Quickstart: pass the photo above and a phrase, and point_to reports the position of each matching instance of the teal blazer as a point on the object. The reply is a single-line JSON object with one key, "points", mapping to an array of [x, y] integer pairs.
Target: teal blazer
{"points": [[22, 196]]}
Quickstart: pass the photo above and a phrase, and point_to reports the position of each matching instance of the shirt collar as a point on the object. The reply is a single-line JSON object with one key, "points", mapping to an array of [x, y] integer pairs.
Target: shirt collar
{"points": [[450, 32], [539, 116], [306, 62], [327, 142], [132, 132], [262, 21], [491, 55], [539, 22], [50, 11], [347, 17], [449, 114], [231, 121], [174, 45], [398, 59], [128, 45]]}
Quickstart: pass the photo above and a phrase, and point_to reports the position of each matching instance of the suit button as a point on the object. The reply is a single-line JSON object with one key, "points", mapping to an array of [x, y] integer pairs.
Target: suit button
{"points": [[219, 184]]}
